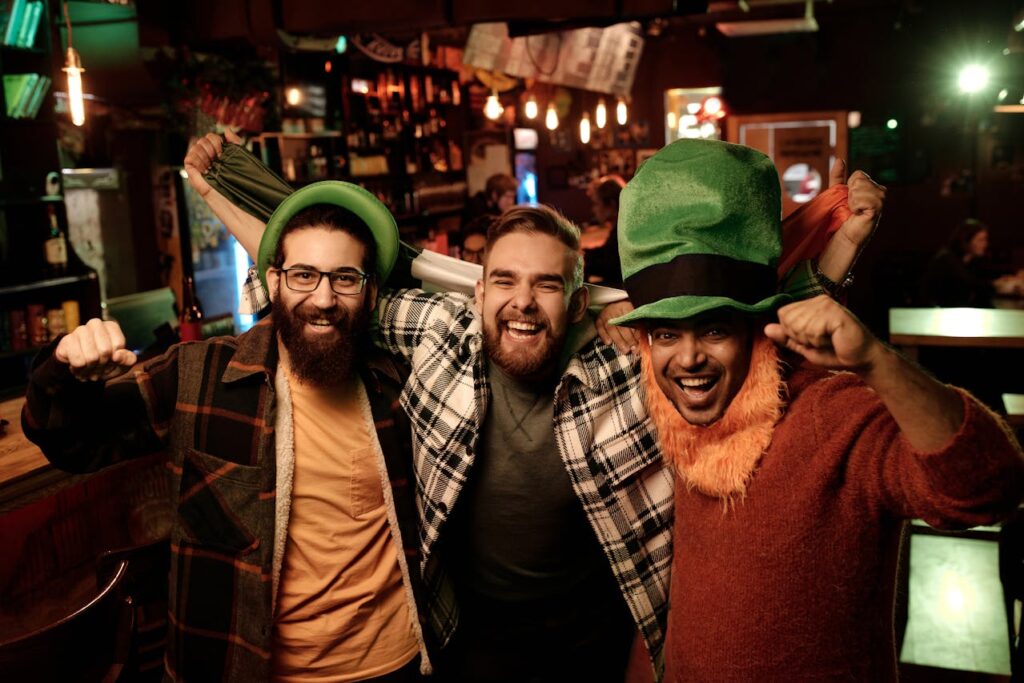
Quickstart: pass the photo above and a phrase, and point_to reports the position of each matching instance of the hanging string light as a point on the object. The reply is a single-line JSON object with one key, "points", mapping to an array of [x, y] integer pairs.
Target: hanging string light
{"points": [[601, 114], [551, 117], [492, 108], [530, 109], [585, 128], [74, 70], [621, 113]]}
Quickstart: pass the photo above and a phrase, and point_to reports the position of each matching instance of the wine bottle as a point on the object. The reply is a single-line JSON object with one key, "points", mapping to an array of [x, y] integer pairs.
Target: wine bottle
{"points": [[190, 326]]}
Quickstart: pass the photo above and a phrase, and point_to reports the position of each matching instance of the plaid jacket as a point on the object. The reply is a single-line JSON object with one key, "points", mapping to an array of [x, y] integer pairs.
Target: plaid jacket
{"points": [[605, 439], [222, 411]]}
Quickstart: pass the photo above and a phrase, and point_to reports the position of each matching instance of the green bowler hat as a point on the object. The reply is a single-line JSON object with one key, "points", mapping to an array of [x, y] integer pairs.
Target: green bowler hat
{"points": [[338, 193], [700, 228]]}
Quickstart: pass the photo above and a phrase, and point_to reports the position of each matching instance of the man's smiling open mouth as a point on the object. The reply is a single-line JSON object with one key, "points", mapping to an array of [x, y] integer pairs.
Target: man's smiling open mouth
{"points": [[698, 387], [521, 330]]}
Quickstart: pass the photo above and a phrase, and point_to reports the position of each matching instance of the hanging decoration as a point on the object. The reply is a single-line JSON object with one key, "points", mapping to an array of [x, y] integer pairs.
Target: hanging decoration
{"points": [[232, 93], [378, 48]]}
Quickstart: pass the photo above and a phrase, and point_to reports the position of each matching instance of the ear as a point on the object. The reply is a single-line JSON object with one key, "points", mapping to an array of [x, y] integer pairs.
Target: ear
{"points": [[578, 304], [273, 282], [480, 292]]}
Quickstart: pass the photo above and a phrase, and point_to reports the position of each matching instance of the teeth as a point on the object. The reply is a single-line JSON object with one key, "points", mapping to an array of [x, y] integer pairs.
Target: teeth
{"points": [[523, 327], [696, 382]]}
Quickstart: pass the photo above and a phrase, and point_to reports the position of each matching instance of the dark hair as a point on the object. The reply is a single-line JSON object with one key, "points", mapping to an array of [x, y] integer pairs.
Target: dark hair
{"points": [[544, 220], [333, 218], [962, 235], [478, 226], [500, 183], [606, 190]]}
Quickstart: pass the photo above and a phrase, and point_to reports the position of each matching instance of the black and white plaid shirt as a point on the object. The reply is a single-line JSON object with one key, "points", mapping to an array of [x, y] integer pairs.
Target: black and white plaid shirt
{"points": [[605, 439]]}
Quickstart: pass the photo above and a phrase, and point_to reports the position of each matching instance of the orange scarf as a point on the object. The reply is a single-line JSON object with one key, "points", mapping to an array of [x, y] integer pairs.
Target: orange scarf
{"points": [[719, 460]]}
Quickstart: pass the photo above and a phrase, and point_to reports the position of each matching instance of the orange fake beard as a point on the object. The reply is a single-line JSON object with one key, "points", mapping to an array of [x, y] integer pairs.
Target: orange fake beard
{"points": [[720, 459]]}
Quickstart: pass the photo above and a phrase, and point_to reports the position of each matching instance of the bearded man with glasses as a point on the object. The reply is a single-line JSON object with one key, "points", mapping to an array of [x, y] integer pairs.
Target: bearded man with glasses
{"points": [[290, 457]]}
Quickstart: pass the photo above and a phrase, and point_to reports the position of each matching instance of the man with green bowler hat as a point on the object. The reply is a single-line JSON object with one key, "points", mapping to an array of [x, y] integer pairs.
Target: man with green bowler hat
{"points": [[294, 543], [800, 442]]}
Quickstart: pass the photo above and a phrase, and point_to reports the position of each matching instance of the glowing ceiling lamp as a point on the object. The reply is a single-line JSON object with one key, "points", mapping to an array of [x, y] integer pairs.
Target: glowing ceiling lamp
{"points": [[621, 113], [585, 128], [712, 106], [530, 109], [551, 117], [74, 70], [493, 108], [293, 96], [973, 78], [601, 114]]}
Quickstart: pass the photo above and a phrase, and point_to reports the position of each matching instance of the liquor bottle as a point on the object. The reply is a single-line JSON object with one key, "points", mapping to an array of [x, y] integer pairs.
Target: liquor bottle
{"points": [[190, 326], [56, 246]]}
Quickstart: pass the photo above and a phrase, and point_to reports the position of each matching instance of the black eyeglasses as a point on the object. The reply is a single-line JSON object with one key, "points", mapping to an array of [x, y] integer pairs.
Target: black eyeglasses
{"points": [[347, 282]]}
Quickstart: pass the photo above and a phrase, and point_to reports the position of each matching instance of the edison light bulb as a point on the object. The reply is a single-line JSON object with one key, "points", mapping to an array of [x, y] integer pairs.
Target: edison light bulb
{"points": [[493, 108], [531, 107], [601, 114], [551, 117], [585, 128], [621, 112], [73, 67]]}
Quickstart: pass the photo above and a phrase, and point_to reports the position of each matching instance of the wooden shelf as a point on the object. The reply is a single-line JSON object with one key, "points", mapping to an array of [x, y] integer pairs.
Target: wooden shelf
{"points": [[45, 283], [19, 50], [25, 201]]}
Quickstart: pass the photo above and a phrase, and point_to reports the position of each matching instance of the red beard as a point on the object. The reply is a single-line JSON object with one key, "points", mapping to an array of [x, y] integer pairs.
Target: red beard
{"points": [[523, 362]]}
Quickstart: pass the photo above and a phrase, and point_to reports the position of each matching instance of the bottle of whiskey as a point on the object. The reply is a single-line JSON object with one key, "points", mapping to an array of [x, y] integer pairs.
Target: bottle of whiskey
{"points": [[56, 247], [190, 326]]}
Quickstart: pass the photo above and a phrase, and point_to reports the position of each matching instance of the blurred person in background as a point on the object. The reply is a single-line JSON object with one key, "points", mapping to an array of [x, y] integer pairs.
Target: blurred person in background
{"points": [[602, 262], [497, 197], [962, 274], [474, 239]]}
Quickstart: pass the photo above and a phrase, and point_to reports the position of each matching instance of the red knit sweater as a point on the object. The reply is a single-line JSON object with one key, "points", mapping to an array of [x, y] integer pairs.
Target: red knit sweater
{"points": [[796, 581]]}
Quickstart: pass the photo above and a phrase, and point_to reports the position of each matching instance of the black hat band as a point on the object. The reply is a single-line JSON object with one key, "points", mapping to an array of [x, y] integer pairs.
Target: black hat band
{"points": [[710, 275]]}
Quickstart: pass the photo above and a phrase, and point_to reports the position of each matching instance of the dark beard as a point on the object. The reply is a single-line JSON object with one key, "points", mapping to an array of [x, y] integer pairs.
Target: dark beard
{"points": [[522, 365], [320, 362]]}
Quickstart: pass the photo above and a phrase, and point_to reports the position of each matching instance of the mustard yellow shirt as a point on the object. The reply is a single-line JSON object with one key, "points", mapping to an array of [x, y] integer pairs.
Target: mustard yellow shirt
{"points": [[342, 613]]}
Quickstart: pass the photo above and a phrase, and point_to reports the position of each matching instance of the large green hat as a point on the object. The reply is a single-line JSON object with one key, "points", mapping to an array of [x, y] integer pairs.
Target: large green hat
{"points": [[346, 195], [700, 228]]}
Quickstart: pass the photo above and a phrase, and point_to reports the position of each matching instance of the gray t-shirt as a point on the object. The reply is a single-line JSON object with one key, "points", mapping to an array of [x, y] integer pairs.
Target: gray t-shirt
{"points": [[520, 532]]}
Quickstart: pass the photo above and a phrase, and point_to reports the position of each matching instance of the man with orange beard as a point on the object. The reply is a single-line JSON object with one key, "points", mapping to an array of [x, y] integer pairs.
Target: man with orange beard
{"points": [[796, 468]]}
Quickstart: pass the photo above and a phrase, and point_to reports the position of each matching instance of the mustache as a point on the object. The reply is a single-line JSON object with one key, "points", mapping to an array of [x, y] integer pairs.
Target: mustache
{"points": [[310, 313]]}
